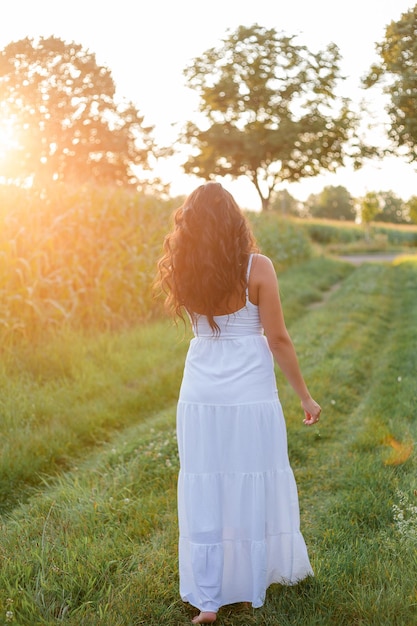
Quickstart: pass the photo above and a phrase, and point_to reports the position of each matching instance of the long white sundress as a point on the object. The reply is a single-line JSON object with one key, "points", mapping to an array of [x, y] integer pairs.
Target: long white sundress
{"points": [[238, 507]]}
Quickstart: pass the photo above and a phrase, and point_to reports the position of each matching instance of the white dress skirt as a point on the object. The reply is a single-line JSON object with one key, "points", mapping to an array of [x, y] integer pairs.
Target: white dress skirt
{"points": [[238, 511]]}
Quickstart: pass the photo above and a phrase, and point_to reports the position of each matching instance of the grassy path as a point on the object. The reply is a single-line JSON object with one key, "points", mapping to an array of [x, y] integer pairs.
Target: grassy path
{"points": [[349, 477], [97, 543]]}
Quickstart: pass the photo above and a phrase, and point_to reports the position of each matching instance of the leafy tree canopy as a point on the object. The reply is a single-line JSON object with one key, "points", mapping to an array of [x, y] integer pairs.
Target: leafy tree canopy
{"points": [[412, 208], [58, 107], [283, 202], [370, 206], [332, 203], [397, 72], [269, 110], [394, 209]]}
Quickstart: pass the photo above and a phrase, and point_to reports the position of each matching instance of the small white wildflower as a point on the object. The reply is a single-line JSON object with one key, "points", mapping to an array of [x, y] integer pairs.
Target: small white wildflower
{"points": [[168, 463], [333, 402], [399, 379], [126, 500], [405, 517], [9, 616]]}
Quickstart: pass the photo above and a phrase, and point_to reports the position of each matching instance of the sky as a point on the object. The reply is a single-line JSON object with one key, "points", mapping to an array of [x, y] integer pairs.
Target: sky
{"points": [[147, 44]]}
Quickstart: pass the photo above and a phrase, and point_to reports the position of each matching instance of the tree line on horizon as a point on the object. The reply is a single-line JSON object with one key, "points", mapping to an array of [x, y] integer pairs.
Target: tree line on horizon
{"points": [[335, 202], [269, 110]]}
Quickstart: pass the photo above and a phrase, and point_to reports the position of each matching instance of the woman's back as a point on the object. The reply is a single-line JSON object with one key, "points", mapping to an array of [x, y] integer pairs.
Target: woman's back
{"points": [[233, 364]]}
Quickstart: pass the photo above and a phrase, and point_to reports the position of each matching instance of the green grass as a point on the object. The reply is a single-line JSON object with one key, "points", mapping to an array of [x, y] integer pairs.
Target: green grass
{"points": [[308, 283], [94, 540], [69, 395]]}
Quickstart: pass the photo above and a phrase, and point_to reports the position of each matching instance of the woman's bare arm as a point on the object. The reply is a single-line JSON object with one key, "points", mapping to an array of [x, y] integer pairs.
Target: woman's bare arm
{"points": [[264, 285]]}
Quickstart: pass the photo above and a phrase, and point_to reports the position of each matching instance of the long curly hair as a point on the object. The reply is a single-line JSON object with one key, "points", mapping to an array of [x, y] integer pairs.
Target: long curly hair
{"points": [[206, 254]]}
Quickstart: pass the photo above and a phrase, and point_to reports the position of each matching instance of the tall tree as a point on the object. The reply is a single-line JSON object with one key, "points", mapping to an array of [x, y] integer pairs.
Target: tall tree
{"points": [[64, 119], [332, 203], [270, 110], [394, 209], [397, 73], [370, 206], [283, 202]]}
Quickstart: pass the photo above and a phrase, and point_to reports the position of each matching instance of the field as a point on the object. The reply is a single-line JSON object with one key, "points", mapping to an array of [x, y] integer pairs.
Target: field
{"points": [[89, 464]]}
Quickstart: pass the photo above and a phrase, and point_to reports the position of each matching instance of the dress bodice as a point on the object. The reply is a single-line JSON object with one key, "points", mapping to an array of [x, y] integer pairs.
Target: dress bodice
{"points": [[241, 323]]}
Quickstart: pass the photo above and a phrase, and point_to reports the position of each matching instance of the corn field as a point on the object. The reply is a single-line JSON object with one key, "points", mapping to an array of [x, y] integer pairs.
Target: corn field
{"points": [[85, 258]]}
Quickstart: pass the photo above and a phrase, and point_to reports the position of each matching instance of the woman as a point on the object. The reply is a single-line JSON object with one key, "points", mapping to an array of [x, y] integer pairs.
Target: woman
{"points": [[237, 498]]}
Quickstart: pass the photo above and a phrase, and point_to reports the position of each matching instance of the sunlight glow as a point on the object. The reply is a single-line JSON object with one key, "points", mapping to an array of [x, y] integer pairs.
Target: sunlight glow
{"points": [[8, 141], [9, 145]]}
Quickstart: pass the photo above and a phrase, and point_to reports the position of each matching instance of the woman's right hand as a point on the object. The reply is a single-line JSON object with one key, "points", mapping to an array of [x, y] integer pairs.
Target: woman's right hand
{"points": [[312, 411]]}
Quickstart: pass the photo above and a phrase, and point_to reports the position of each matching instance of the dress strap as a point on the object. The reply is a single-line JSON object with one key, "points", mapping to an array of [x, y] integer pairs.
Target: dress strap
{"points": [[248, 274]]}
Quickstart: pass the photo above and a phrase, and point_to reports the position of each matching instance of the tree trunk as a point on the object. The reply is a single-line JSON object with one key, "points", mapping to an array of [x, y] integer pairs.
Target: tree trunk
{"points": [[264, 201]]}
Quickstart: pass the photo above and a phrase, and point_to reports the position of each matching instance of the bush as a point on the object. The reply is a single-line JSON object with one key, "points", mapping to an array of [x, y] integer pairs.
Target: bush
{"points": [[284, 242]]}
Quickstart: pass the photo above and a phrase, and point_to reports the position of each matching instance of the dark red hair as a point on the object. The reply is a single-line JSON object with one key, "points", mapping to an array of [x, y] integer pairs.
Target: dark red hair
{"points": [[206, 254]]}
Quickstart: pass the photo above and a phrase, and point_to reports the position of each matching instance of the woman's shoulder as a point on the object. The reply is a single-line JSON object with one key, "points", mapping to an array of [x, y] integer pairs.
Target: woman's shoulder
{"points": [[262, 275], [262, 263]]}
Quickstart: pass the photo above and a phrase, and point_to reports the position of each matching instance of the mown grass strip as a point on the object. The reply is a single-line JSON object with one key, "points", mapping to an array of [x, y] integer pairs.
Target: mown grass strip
{"points": [[307, 283], [365, 560]]}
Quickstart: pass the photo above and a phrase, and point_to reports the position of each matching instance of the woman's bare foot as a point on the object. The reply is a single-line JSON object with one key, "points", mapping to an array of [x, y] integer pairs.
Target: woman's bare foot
{"points": [[205, 617]]}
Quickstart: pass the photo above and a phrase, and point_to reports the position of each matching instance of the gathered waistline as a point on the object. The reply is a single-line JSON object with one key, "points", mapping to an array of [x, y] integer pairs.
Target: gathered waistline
{"points": [[227, 337], [273, 400]]}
